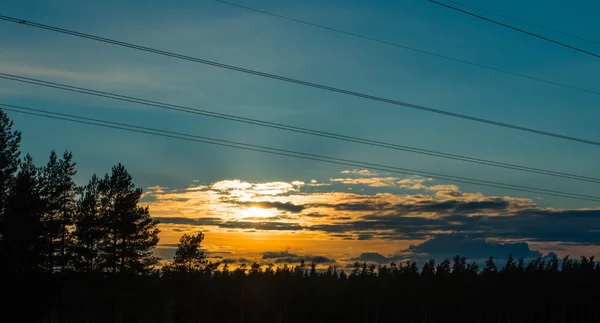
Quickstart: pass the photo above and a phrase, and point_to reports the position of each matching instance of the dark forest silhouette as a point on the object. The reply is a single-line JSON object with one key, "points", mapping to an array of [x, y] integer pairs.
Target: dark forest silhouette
{"points": [[85, 254]]}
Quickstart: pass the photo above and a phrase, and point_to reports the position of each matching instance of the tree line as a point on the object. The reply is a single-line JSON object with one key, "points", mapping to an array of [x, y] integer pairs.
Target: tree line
{"points": [[49, 224], [74, 253]]}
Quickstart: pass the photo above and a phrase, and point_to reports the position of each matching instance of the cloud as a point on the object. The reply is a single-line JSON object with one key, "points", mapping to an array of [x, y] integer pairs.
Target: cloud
{"points": [[342, 217], [240, 260], [285, 257], [412, 183], [372, 257], [444, 188], [277, 254], [372, 181], [245, 225], [315, 183], [287, 206], [360, 172], [446, 246]]}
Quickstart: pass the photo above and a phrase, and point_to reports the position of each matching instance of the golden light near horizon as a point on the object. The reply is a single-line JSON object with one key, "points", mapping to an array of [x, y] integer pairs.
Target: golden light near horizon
{"points": [[256, 212]]}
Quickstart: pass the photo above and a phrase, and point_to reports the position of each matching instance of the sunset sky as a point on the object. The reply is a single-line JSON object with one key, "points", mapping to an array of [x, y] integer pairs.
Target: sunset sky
{"points": [[274, 209]]}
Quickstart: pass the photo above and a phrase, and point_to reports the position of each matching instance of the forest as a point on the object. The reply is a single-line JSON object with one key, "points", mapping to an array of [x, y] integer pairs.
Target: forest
{"points": [[72, 253]]}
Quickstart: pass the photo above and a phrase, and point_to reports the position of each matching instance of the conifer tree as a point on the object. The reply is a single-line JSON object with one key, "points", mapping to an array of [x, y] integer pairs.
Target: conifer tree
{"points": [[10, 141], [131, 234], [22, 230], [59, 192], [88, 229], [189, 257]]}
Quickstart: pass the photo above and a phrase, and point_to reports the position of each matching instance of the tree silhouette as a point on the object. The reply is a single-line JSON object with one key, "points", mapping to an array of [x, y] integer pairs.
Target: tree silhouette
{"points": [[131, 234], [22, 231], [490, 267], [189, 257], [89, 228], [109, 239], [59, 192], [511, 265], [10, 141]]}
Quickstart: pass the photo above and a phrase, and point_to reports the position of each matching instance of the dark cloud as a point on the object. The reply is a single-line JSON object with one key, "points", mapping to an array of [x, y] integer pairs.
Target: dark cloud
{"points": [[572, 226], [211, 221], [316, 215], [240, 260], [191, 221], [447, 246], [423, 206], [285, 257], [290, 207], [372, 257], [277, 254], [455, 244], [502, 220]]}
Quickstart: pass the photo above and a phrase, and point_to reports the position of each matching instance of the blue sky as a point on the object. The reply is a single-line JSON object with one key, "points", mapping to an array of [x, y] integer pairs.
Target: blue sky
{"points": [[214, 31]]}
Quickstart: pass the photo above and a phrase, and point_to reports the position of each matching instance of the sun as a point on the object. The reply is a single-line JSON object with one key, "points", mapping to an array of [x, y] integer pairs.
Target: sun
{"points": [[256, 212]]}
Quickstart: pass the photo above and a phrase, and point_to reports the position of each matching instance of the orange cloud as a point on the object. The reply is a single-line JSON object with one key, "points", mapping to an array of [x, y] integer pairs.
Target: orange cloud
{"points": [[250, 218]]}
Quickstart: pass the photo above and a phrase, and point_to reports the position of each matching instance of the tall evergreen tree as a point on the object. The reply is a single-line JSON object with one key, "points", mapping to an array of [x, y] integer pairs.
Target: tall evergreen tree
{"points": [[88, 230], [10, 141], [59, 192], [131, 233], [511, 265], [490, 267], [189, 257], [22, 230]]}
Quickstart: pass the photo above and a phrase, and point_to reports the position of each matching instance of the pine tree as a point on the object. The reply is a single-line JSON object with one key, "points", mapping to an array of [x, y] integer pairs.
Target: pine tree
{"points": [[189, 257], [443, 269], [428, 268], [9, 160], [59, 191], [490, 267], [22, 230], [88, 231], [511, 265], [460, 265], [131, 234]]}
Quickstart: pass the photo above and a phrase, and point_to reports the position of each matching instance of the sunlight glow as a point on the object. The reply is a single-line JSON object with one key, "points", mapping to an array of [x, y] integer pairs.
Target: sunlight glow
{"points": [[256, 212]]}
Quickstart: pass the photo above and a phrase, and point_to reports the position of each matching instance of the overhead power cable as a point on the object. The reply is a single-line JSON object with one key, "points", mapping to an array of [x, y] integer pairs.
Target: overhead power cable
{"points": [[289, 153], [413, 49], [304, 83], [517, 29], [303, 130], [522, 22]]}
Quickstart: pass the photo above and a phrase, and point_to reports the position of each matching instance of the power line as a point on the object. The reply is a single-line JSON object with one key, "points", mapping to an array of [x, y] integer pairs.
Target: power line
{"points": [[523, 22], [285, 152], [516, 29], [285, 127], [413, 49], [304, 83]]}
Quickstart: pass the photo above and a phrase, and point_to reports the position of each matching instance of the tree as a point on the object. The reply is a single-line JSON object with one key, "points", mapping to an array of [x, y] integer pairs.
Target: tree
{"points": [[59, 191], [88, 228], [22, 230], [511, 265], [428, 268], [490, 267], [460, 265], [473, 268], [9, 160], [189, 257], [130, 233], [443, 269]]}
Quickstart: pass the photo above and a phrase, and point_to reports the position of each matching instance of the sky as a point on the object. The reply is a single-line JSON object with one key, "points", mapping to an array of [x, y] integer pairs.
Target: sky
{"points": [[258, 207]]}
